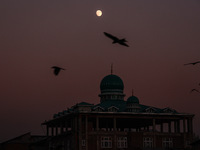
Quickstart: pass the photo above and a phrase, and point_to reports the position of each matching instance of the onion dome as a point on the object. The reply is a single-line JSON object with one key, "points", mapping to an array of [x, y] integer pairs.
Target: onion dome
{"points": [[111, 87], [132, 100], [111, 82]]}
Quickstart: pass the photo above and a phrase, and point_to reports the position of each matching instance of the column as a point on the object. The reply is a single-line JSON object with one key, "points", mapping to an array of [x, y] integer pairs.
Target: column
{"points": [[47, 130], [184, 129], [115, 124], [154, 125], [114, 130], [52, 131], [56, 129], [178, 126], [169, 127], [76, 131], [65, 125], [97, 129], [80, 132], [61, 127], [175, 126], [86, 132], [161, 127], [154, 130], [97, 123], [148, 128], [190, 127]]}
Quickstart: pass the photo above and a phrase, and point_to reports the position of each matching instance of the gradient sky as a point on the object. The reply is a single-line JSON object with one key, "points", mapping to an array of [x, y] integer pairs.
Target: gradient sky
{"points": [[37, 34]]}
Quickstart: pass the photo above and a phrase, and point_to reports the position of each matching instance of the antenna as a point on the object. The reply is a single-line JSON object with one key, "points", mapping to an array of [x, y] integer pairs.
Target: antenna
{"points": [[112, 68]]}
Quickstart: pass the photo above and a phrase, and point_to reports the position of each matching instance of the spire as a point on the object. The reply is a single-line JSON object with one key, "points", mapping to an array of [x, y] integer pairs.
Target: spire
{"points": [[112, 68], [132, 92]]}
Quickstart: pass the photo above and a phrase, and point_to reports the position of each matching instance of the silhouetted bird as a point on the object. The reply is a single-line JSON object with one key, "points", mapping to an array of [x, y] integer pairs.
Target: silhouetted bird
{"points": [[193, 63], [57, 70], [116, 40], [194, 90]]}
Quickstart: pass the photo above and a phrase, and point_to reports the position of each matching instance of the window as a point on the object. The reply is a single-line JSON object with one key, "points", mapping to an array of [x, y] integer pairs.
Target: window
{"points": [[106, 142], [122, 142], [167, 143], [148, 142]]}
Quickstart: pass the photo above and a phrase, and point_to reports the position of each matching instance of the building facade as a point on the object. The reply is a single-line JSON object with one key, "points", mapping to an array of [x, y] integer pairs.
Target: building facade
{"points": [[25, 142], [119, 124]]}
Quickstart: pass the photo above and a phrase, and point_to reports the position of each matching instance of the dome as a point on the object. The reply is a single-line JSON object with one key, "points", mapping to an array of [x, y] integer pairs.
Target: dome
{"points": [[111, 87], [133, 99], [112, 82]]}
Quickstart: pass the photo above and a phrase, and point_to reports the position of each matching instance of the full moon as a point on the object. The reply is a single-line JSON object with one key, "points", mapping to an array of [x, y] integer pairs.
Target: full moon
{"points": [[99, 13]]}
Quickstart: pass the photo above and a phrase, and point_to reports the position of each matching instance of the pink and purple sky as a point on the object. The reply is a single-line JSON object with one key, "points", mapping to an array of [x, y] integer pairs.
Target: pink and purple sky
{"points": [[37, 34]]}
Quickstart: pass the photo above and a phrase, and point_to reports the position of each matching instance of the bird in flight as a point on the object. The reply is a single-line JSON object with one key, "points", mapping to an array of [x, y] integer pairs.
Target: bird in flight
{"points": [[193, 63], [116, 40], [194, 90], [56, 70]]}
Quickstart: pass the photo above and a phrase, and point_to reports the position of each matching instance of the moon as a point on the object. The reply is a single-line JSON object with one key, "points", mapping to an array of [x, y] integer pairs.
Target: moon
{"points": [[99, 13]]}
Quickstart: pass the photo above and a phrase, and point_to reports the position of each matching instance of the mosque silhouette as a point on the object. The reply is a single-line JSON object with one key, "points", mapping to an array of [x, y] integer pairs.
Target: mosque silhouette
{"points": [[116, 123]]}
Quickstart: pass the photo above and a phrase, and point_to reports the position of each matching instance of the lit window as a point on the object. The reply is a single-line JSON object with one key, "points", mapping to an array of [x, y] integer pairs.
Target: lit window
{"points": [[106, 142], [148, 142], [167, 143], [122, 142]]}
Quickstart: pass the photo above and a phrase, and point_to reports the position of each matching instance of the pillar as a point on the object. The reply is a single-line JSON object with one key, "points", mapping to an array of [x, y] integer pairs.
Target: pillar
{"points": [[52, 131], [97, 129], [86, 132], [115, 124], [154, 125], [184, 127], [148, 128], [169, 127], [56, 130], [175, 126], [47, 130], [115, 130], [178, 126], [190, 126], [97, 123], [161, 127], [61, 127], [79, 132]]}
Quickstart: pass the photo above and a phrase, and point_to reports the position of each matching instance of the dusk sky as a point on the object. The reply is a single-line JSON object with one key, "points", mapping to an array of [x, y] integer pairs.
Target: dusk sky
{"points": [[37, 34]]}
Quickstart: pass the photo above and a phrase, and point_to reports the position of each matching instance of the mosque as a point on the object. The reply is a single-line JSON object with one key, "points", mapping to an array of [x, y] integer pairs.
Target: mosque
{"points": [[119, 124]]}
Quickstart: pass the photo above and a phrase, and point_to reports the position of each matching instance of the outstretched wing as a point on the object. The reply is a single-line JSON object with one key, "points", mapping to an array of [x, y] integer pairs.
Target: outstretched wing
{"points": [[193, 63], [194, 90], [57, 70], [196, 62], [111, 36], [123, 43], [189, 64]]}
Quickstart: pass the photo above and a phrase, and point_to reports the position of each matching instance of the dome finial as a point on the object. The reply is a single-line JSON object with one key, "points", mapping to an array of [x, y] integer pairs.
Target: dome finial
{"points": [[132, 92], [111, 68]]}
